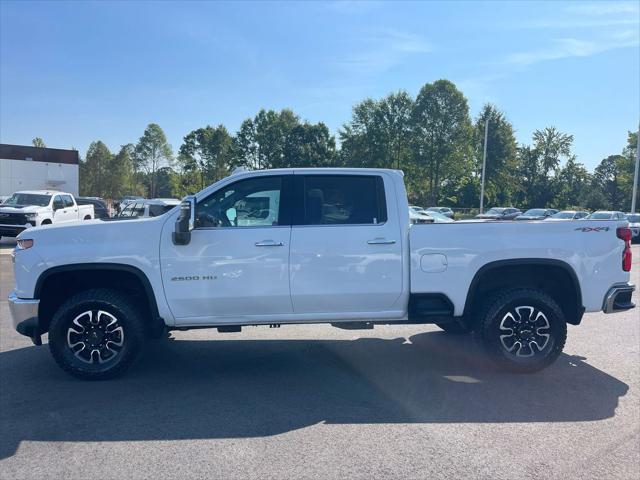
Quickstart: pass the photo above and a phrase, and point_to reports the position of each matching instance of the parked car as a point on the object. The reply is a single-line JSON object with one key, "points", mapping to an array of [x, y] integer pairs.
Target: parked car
{"points": [[606, 215], [425, 216], [634, 225], [446, 211], [148, 208], [500, 213], [537, 214], [418, 215], [330, 248], [124, 201], [438, 217], [100, 207], [34, 208], [565, 215]]}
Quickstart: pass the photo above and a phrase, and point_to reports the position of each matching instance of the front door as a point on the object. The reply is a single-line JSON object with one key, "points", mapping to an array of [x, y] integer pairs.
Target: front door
{"points": [[236, 265]]}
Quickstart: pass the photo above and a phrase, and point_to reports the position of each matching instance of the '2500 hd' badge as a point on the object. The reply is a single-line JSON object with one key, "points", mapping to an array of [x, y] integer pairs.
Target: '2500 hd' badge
{"points": [[188, 278]]}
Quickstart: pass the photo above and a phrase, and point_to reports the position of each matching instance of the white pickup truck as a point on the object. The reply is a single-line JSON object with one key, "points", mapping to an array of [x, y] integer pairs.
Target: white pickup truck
{"points": [[312, 246], [34, 208]]}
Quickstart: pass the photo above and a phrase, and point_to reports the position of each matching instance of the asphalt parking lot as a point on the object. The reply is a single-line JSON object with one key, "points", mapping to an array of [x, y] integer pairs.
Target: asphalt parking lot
{"points": [[318, 402]]}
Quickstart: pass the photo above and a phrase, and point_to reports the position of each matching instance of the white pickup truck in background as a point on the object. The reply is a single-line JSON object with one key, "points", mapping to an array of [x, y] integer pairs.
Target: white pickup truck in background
{"points": [[312, 246], [34, 208]]}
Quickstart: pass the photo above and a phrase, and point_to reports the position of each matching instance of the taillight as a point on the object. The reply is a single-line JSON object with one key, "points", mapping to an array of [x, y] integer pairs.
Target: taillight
{"points": [[624, 233]]}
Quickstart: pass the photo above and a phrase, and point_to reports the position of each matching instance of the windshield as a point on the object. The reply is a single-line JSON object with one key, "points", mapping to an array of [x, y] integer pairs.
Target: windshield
{"points": [[633, 218], [534, 212], [568, 215], [600, 216], [495, 211], [28, 199]]}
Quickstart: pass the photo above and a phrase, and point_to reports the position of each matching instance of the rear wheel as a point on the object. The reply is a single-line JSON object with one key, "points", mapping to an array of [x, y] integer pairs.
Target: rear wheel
{"points": [[96, 334], [454, 328], [523, 330]]}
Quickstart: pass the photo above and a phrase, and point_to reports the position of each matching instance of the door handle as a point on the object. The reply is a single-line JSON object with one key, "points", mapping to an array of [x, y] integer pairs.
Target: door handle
{"points": [[269, 243], [381, 241]]}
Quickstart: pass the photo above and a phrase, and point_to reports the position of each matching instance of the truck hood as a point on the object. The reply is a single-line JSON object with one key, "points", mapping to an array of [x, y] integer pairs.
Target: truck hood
{"points": [[98, 234], [21, 209]]}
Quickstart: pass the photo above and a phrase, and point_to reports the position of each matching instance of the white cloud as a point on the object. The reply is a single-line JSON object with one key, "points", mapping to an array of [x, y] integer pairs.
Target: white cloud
{"points": [[385, 49], [573, 47], [604, 8]]}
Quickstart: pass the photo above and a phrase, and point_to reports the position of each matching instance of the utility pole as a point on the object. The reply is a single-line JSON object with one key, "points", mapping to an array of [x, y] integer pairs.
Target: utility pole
{"points": [[484, 163], [634, 194]]}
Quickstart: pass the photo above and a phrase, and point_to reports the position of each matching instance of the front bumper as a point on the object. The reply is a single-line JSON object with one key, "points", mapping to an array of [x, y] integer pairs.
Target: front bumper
{"points": [[618, 298], [24, 313], [13, 230]]}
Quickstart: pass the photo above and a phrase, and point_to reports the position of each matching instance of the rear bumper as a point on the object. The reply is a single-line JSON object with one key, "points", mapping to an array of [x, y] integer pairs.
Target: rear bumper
{"points": [[618, 298], [24, 313]]}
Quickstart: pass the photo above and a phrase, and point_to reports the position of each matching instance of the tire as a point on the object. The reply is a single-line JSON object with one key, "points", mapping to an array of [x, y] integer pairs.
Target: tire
{"points": [[84, 340], [523, 348], [454, 328]]}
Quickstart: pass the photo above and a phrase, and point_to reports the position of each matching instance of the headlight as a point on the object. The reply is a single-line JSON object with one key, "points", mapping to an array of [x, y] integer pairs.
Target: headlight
{"points": [[31, 216], [24, 243]]}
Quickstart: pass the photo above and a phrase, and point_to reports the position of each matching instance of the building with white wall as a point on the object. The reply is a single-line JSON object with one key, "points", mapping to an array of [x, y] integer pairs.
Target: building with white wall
{"points": [[24, 167]]}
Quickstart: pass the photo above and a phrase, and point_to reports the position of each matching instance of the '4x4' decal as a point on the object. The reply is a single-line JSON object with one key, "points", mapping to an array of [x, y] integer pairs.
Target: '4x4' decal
{"points": [[593, 229]]}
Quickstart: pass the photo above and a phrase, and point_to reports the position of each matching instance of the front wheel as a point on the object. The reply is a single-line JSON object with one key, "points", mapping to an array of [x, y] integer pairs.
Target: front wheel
{"points": [[523, 330], [96, 334]]}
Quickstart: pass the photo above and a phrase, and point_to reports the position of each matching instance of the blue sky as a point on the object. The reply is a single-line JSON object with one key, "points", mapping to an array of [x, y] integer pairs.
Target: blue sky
{"points": [[73, 72]]}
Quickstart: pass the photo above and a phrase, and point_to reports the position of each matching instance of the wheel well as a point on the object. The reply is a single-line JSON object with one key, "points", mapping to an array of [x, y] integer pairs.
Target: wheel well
{"points": [[57, 285], [87, 217], [46, 222], [556, 279]]}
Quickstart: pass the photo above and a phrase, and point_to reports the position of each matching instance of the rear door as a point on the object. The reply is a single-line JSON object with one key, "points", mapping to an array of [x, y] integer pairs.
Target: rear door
{"points": [[346, 252], [70, 210]]}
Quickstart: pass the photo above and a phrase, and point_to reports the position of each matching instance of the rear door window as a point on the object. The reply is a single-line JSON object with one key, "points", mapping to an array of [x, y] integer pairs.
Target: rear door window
{"points": [[68, 201], [344, 200]]}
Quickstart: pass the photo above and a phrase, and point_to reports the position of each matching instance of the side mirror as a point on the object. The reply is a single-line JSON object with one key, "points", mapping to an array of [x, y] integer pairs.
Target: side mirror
{"points": [[185, 221]]}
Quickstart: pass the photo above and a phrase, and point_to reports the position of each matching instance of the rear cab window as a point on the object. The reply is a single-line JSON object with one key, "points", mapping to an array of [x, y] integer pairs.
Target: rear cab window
{"points": [[342, 200], [68, 200]]}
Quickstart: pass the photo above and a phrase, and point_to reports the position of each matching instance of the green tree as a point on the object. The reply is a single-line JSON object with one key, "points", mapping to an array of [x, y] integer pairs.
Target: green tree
{"points": [[38, 142], [539, 166], [628, 169], [608, 179], [94, 171], [552, 147], [261, 141], [151, 153], [208, 152], [379, 133], [442, 136], [573, 180], [309, 145], [500, 171]]}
